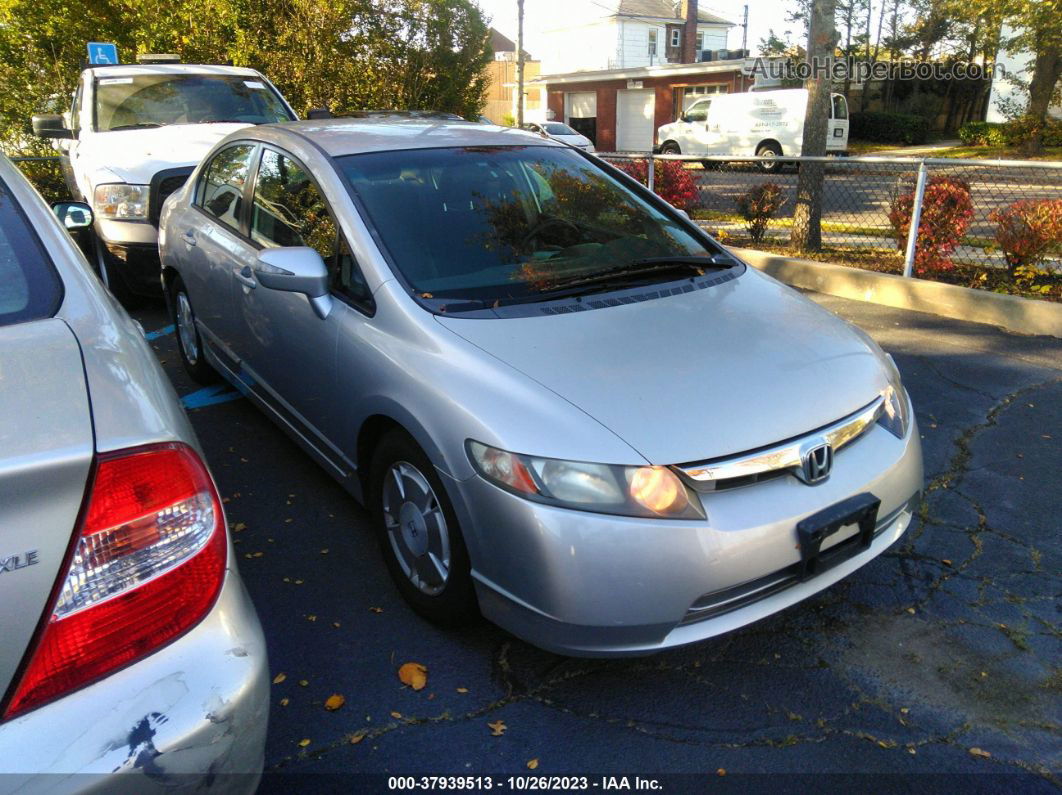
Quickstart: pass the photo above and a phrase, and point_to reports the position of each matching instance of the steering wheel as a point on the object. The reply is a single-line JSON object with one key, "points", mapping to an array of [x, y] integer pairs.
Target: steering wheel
{"points": [[548, 222]]}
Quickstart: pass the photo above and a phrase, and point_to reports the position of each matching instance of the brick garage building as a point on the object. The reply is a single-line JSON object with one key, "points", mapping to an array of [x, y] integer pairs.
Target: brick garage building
{"points": [[620, 109]]}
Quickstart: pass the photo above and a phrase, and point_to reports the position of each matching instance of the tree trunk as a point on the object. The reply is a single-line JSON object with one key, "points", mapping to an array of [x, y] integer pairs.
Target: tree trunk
{"points": [[1046, 71], [807, 215]]}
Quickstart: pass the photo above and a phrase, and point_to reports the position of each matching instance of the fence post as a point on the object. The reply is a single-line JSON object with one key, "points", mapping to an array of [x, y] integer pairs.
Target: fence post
{"points": [[652, 169], [916, 220]]}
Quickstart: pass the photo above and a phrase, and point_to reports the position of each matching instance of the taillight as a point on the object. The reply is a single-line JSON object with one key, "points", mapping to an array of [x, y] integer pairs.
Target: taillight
{"points": [[147, 564]]}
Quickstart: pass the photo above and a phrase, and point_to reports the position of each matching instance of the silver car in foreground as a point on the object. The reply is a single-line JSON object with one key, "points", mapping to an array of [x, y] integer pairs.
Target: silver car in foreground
{"points": [[131, 656], [561, 400]]}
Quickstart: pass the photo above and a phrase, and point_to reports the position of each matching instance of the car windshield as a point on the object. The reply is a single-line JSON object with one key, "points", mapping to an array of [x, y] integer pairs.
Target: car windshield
{"points": [[29, 285], [128, 103], [503, 223], [555, 128]]}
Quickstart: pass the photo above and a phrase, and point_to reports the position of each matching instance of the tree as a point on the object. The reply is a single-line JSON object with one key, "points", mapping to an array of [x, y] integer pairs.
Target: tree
{"points": [[345, 54], [807, 215]]}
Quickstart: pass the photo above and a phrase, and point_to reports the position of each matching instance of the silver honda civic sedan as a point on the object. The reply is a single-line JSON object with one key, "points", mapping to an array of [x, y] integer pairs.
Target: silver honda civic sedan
{"points": [[131, 658], [563, 403]]}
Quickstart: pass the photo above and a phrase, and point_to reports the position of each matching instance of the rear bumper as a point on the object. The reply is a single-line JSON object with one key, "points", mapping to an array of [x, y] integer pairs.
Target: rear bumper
{"points": [[192, 716]]}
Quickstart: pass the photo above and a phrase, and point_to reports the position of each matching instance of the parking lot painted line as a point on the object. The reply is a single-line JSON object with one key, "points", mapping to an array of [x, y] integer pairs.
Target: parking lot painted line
{"points": [[162, 332], [209, 396]]}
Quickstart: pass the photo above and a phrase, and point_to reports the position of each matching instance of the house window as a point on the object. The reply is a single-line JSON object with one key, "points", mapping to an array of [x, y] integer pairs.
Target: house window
{"points": [[676, 37], [700, 42], [652, 43]]}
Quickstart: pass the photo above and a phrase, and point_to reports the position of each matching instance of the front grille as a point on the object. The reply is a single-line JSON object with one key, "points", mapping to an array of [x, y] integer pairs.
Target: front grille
{"points": [[727, 600], [162, 185]]}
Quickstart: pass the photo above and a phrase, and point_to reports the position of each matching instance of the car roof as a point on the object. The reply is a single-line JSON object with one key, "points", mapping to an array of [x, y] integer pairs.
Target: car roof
{"points": [[133, 70], [339, 137]]}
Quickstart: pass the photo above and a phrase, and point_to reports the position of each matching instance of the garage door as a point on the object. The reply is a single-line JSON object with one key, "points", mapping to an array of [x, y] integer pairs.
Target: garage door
{"points": [[635, 117]]}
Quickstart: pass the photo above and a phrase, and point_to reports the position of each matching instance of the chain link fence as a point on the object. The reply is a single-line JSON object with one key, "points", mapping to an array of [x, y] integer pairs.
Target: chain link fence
{"points": [[989, 224]]}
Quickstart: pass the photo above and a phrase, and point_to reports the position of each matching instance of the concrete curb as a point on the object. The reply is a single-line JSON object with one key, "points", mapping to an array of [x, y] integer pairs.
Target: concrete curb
{"points": [[1023, 315]]}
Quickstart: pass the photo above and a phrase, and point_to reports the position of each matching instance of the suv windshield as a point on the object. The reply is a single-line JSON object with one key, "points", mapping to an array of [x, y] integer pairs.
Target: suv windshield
{"points": [[126, 103], [499, 223], [29, 286]]}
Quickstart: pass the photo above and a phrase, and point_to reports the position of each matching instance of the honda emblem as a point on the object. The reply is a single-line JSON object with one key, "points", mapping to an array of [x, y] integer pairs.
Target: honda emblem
{"points": [[816, 463]]}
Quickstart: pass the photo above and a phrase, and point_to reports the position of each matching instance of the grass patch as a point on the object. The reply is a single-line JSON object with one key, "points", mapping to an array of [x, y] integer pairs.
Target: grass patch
{"points": [[869, 147], [997, 153]]}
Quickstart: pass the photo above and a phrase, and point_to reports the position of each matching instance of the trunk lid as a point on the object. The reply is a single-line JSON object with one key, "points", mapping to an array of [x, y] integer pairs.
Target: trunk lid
{"points": [[46, 449]]}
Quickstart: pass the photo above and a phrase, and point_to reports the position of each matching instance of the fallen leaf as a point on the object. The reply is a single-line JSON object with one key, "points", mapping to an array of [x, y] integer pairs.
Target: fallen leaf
{"points": [[396, 715], [532, 763], [946, 562], [904, 710], [462, 690], [721, 771], [887, 743], [258, 554], [376, 609], [311, 617], [303, 743], [413, 674], [324, 551], [911, 610], [238, 527], [334, 702], [335, 624], [279, 678], [497, 728], [358, 736], [298, 582], [982, 754], [303, 683], [285, 701]]}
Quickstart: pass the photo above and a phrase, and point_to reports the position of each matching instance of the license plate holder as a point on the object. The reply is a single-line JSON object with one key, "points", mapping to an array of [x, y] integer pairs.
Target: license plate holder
{"points": [[861, 509]]}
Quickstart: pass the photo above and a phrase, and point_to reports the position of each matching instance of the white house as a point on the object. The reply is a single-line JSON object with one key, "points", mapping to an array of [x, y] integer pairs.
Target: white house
{"points": [[627, 34], [1018, 64]]}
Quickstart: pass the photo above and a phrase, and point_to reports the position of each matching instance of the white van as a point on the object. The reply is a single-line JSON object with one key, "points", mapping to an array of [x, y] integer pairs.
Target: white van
{"points": [[762, 123]]}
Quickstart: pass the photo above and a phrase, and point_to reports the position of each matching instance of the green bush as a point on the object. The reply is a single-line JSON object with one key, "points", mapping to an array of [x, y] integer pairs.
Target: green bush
{"points": [[983, 133], [888, 128]]}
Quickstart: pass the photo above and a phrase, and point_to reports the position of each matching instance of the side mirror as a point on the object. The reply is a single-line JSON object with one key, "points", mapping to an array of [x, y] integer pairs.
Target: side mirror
{"points": [[296, 269], [319, 113], [685, 118], [73, 215], [50, 125]]}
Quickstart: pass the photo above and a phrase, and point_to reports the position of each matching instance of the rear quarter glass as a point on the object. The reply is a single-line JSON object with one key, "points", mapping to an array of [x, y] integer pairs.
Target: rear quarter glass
{"points": [[30, 288]]}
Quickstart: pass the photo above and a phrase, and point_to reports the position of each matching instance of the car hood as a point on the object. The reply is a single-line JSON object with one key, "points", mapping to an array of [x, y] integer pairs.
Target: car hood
{"points": [[135, 156], [718, 371]]}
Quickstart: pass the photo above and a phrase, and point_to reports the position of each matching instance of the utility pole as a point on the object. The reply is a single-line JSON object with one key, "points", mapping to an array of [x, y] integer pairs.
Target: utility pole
{"points": [[519, 63], [745, 31]]}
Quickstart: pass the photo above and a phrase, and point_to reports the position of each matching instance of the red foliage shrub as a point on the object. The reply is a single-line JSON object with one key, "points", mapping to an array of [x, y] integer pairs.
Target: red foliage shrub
{"points": [[946, 214], [1029, 231], [671, 181], [758, 205]]}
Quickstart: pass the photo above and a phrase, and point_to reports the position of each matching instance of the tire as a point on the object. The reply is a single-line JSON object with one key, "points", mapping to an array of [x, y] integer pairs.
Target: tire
{"points": [[189, 343], [418, 532], [670, 148], [106, 267], [769, 150]]}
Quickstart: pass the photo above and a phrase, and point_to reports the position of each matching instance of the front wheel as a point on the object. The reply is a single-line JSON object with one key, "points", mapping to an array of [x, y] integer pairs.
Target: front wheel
{"points": [[770, 150], [670, 148], [418, 532]]}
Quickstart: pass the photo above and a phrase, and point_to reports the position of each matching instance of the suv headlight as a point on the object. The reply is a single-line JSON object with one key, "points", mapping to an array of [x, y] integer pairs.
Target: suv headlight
{"points": [[896, 415], [647, 491], [121, 202]]}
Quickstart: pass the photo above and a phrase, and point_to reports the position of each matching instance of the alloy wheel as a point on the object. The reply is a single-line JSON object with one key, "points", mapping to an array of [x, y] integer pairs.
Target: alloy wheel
{"points": [[416, 528], [186, 328]]}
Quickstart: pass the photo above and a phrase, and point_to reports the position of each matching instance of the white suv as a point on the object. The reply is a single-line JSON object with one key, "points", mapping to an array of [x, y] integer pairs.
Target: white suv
{"points": [[132, 136]]}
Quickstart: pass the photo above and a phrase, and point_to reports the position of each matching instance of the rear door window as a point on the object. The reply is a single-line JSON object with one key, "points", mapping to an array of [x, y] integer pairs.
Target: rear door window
{"points": [[221, 189], [30, 288]]}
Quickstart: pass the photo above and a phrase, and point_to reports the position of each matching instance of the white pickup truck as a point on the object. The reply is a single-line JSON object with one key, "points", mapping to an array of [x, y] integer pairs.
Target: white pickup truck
{"points": [[132, 136]]}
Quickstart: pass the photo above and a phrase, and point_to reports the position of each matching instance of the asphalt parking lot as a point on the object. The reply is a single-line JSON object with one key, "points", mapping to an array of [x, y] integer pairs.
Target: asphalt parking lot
{"points": [[941, 659]]}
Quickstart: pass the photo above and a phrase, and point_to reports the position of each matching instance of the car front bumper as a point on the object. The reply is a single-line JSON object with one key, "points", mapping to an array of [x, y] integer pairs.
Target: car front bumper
{"points": [[192, 716], [587, 584], [134, 249]]}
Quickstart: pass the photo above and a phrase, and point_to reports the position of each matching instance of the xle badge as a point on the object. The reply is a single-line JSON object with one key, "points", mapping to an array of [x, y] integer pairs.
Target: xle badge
{"points": [[15, 562]]}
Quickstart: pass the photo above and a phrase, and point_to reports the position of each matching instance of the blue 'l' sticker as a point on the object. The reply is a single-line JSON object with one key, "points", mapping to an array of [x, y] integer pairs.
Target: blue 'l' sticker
{"points": [[162, 332]]}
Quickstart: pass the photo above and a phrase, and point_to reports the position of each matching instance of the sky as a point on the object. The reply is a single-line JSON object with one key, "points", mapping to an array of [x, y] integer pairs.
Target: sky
{"points": [[763, 15]]}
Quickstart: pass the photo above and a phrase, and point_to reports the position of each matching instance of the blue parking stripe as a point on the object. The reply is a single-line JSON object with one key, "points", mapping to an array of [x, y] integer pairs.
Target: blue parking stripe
{"points": [[162, 332], [210, 396]]}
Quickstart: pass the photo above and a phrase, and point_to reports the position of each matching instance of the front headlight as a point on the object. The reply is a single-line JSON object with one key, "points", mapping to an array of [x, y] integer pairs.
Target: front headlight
{"points": [[896, 415], [647, 491], [121, 202]]}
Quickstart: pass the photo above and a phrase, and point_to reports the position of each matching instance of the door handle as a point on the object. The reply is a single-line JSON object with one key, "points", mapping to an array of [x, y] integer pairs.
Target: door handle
{"points": [[245, 276], [188, 237]]}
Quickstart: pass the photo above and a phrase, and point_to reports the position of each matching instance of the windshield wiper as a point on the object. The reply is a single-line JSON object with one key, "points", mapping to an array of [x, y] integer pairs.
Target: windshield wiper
{"points": [[139, 126], [641, 268]]}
